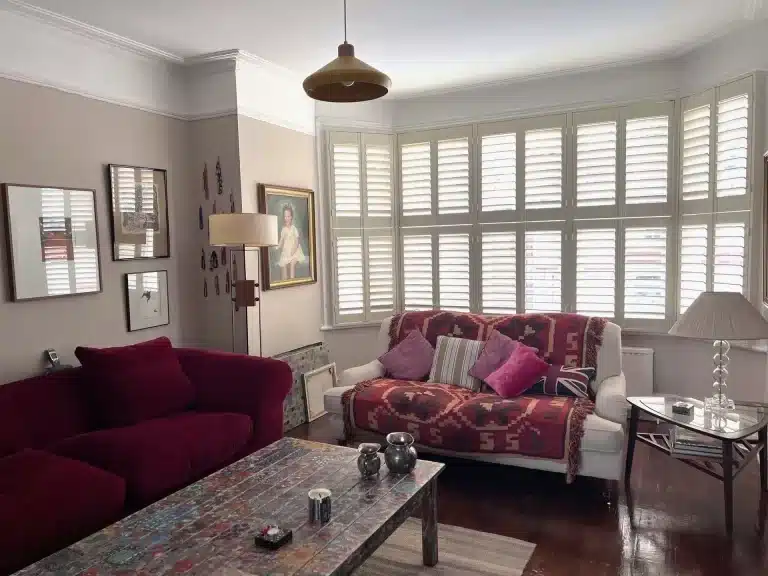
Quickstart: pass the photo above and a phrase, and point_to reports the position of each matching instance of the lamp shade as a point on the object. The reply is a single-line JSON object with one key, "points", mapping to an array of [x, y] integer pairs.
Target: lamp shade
{"points": [[242, 229], [347, 79], [721, 316]]}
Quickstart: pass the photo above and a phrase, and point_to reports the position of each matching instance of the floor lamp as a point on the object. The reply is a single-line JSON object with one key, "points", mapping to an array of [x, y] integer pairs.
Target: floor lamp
{"points": [[238, 232]]}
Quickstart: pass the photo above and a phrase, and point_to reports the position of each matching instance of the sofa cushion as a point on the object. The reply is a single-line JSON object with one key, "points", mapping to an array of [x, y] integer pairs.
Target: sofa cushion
{"points": [[518, 373], [48, 502], [411, 359], [130, 384], [495, 352], [565, 381], [158, 456], [454, 358]]}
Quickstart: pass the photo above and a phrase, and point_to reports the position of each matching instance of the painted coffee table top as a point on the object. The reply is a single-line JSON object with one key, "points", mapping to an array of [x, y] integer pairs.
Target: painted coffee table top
{"points": [[208, 527]]}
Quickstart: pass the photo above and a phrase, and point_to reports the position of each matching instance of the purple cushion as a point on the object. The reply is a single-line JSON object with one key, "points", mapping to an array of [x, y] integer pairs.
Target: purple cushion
{"points": [[497, 349], [520, 371], [159, 456], [409, 360], [131, 384]]}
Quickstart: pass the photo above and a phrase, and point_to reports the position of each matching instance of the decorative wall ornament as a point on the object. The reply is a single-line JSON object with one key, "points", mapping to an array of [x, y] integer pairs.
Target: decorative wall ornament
{"points": [[292, 262], [216, 285], [223, 258], [202, 260], [213, 209], [214, 260], [219, 179], [231, 202], [227, 283], [201, 220], [139, 205], [205, 180], [205, 287], [146, 296], [53, 241]]}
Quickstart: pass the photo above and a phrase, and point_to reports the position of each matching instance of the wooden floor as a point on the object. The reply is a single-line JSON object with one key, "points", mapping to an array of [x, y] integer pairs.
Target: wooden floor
{"points": [[586, 529]]}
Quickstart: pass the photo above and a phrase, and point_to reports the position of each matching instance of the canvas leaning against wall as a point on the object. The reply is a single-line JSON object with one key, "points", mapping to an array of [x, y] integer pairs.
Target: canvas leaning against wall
{"points": [[293, 261]]}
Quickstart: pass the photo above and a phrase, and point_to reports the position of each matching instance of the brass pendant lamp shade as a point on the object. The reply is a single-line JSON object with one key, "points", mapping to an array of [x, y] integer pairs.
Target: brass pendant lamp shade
{"points": [[347, 79]]}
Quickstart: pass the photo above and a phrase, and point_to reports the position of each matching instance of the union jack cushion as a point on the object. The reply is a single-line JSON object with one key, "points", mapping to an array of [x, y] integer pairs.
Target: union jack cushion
{"points": [[565, 381]]}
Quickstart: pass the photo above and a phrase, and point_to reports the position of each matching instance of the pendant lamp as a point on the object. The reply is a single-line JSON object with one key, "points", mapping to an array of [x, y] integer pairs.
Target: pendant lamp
{"points": [[347, 79]]}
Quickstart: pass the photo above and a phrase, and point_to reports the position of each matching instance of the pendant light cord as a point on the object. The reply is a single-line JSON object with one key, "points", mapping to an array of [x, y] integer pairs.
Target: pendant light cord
{"points": [[345, 21]]}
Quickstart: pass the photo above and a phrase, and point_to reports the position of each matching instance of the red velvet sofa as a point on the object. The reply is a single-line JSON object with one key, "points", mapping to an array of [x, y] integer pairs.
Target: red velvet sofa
{"points": [[63, 475]]}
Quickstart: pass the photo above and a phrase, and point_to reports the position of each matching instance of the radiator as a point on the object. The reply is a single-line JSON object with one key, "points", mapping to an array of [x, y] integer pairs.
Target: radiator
{"points": [[637, 364]]}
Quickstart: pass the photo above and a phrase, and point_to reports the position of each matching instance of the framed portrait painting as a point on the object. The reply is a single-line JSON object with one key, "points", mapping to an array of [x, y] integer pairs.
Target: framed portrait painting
{"points": [[139, 203], [146, 297], [53, 241], [293, 261]]}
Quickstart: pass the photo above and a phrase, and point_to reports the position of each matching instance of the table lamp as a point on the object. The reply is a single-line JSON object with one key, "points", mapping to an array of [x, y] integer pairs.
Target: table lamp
{"points": [[721, 317], [240, 231]]}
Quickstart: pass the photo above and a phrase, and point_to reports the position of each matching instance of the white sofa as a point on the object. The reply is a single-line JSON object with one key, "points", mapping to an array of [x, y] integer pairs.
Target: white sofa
{"points": [[602, 446]]}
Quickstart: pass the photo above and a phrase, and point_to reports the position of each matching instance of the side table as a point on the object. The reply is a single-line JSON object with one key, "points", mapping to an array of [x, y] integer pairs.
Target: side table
{"points": [[734, 431]]}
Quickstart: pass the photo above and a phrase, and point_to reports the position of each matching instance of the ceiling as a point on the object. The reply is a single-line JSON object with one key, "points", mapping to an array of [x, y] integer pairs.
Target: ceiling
{"points": [[424, 45]]}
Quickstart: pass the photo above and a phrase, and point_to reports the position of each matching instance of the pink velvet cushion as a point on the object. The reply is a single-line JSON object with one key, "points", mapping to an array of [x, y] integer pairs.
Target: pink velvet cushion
{"points": [[131, 384], [521, 370], [409, 360], [497, 349]]}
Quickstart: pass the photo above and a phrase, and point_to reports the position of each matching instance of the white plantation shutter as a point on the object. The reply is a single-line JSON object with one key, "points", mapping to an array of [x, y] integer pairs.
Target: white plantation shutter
{"points": [[453, 271], [729, 257], [695, 154], [544, 168], [596, 164], [86, 265], [453, 176], [349, 277], [498, 169], [416, 171], [543, 271], [381, 278], [645, 272], [732, 146], [596, 271], [417, 272], [147, 198], [346, 179], [53, 212], [647, 159], [378, 180], [694, 254], [499, 272]]}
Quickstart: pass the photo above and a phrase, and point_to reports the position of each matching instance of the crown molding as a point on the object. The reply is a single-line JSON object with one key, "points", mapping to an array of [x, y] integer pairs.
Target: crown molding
{"points": [[93, 32], [334, 123]]}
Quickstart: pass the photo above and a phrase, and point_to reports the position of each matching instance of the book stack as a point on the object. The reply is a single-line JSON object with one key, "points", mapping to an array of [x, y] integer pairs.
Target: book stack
{"points": [[687, 444]]}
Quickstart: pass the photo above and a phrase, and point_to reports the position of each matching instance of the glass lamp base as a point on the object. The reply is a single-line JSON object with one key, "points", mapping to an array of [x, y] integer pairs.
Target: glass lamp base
{"points": [[719, 404]]}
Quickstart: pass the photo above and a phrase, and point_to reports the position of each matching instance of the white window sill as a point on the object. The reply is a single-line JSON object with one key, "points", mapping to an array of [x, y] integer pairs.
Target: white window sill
{"points": [[350, 326]]}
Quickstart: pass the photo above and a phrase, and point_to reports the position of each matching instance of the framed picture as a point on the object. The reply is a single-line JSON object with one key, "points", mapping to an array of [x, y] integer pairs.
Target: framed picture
{"points": [[316, 382], [146, 297], [139, 206], [765, 233], [53, 241], [292, 262]]}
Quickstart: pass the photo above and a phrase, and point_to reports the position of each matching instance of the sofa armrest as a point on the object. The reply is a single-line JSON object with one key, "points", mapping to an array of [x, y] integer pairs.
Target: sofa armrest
{"points": [[358, 374], [248, 385], [611, 401]]}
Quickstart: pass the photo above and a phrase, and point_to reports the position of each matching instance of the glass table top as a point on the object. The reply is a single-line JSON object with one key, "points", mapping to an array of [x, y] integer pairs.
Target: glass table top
{"points": [[744, 421]]}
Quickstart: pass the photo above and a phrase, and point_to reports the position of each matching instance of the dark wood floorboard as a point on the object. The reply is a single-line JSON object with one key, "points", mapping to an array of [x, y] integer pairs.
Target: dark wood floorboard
{"points": [[585, 528]]}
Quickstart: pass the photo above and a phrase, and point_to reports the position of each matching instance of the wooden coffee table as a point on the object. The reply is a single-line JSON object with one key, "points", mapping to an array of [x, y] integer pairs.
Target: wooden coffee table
{"points": [[735, 431], [208, 527]]}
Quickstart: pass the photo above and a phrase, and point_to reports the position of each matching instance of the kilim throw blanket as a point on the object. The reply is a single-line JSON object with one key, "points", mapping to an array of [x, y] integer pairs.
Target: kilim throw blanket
{"points": [[453, 418]]}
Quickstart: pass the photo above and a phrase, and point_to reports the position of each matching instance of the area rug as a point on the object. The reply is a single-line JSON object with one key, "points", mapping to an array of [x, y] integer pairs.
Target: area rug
{"points": [[461, 552]]}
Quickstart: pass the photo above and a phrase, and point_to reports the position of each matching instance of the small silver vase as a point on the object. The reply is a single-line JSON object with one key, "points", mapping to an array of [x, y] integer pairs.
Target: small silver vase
{"points": [[368, 462], [400, 455]]}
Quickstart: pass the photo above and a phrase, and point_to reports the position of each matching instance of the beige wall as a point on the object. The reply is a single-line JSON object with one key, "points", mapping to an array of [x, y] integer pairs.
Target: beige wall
{"points": [[291, 317], [52, 138]]}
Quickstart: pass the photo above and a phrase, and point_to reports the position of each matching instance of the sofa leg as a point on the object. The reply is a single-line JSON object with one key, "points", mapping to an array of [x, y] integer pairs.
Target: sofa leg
{"points": [[611, 493]]}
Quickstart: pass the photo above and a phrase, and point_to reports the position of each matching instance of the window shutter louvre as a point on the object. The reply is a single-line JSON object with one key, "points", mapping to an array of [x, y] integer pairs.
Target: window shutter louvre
{"points": [[729, 248], [86, 264], [416, 169], [378, 181], [381, 291], [596, 271], [349, 276], [647, 158], [645, 273], [596, 164], [499, 272], [56, 263], [453, 271], [732, 146], [694, 240], [695, 161], [543, 271], [453, 176], [498, 168], [346, 180], [417, 272], [544, 168]]}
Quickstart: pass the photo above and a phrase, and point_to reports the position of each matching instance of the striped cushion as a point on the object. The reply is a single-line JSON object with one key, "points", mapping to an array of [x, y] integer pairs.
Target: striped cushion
{"points": [[454, 357]]}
